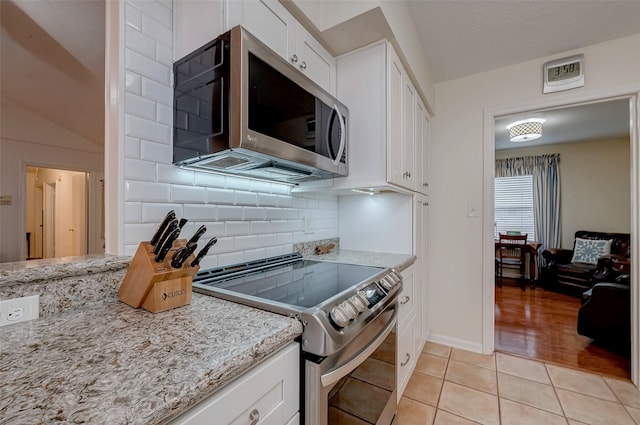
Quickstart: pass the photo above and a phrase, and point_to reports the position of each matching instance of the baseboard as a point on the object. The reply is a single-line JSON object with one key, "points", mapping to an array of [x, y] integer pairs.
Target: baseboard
{"points": [[462, 344]]}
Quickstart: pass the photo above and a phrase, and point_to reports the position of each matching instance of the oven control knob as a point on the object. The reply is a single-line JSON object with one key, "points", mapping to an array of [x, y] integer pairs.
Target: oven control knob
{"points": [[387, 283], [351, 309], [339, 316], [360, 301]]}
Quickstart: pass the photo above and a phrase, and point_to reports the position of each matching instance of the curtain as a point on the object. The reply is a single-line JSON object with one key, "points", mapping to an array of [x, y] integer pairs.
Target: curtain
{"points": [[546, 193]]}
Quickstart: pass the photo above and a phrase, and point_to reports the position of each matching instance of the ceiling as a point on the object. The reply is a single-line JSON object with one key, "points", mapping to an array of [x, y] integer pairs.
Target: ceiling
{"points": [[52, 56], [53, 51]]}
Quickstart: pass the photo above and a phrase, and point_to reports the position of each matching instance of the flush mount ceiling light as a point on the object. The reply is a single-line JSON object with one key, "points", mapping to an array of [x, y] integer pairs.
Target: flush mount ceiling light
{"points": [[525, 130]]}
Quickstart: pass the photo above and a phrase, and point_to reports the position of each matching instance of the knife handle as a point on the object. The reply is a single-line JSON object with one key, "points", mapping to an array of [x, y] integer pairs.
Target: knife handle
{"points": [[173, 225], [201, 231], [163, 226], [204, 251], [166, 246], [181, 255]]}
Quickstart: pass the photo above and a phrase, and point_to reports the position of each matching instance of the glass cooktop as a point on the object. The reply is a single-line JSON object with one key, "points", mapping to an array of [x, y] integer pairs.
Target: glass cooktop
{"points": [[297, 282]]}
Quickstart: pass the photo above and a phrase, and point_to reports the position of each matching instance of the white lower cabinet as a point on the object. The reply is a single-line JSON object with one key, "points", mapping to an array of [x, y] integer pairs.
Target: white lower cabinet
{"points": [[409, 329], [266, 395]]}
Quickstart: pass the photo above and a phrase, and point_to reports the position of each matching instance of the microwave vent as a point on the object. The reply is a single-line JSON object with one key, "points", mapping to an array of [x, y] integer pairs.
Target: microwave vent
{"points": [[225, 162]]}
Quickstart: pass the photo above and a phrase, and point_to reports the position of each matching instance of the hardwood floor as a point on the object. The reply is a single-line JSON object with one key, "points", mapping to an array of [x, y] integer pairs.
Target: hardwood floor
{"points": [[541, 324]]}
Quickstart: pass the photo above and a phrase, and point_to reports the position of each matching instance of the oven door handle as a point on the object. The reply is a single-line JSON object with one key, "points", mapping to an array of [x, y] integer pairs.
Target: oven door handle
{"points": [[340, 371]]}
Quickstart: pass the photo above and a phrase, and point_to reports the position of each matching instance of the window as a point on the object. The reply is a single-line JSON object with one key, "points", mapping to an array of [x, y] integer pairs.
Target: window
{"points": [[514, 205]]}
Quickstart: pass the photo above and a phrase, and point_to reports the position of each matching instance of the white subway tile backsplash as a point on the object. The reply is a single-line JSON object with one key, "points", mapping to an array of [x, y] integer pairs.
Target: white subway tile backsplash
{"points": [[136, 233], [146, 191], [260, 186], [158, 152], [253, 213], [156, 10], [230, 258], [259, 227], [299, 202], [273, 213], [130, 250], [280, 189], [285, 201], [187, 194], [159, 32], [196, 212], [146, 67], [132, 212], [136, 169], [164, 114], [267, 240], [246, 198], [236, 228], [164, 55], [227, 212], [242, 243], [237, 183], [312, 204], [132, 147], [279, 250], [254, 254], [218, 196], [294, 225], [299, 237], [133, 17], [139, 42], [278, 226], [140, 106], [290, 213], [267, 200], [154, 213], [146, 129], [223, 245], [159, 92], [171, 174], [284, 238], [210, 179], [133, 83]]}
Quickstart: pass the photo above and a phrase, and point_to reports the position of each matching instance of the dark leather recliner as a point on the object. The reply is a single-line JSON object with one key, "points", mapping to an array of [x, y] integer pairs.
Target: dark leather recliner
{"points": [[559, 273], [605, 314]]}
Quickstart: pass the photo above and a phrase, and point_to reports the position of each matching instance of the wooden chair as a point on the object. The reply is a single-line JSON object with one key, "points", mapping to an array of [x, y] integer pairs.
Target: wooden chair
{"points": [[511, 254]]}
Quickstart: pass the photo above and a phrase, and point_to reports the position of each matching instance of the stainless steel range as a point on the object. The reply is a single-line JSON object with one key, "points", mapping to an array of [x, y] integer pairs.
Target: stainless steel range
{"points": [[349, 315]]}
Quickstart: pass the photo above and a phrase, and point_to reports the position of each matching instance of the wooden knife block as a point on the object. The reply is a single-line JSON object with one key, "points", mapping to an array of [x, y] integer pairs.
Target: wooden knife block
{"points": [[157, 286]]}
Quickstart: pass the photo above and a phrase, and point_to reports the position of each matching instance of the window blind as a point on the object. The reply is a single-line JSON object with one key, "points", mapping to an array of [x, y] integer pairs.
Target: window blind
{"points": [[514, 205]]}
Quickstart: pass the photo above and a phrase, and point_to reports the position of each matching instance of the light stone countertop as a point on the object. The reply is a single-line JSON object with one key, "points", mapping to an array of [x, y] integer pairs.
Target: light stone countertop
{"points": [[113, 364], [105, 362], [367, 258]]}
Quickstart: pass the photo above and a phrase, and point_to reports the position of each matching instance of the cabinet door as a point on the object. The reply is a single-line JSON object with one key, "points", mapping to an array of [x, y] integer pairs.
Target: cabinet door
{"points": [[419, 122], [196, 23], [267, 20], [407, 296], [405, 356], [408, 133], [315, 61], [423, 157], [395, 168], [421, 234]]}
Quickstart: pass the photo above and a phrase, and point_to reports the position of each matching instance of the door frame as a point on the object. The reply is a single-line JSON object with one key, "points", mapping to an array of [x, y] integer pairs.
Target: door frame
{"points": [[632, 92]]}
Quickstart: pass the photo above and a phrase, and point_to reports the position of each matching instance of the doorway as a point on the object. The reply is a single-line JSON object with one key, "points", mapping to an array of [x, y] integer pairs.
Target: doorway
{"points": [[56, 213], [488, 226]]}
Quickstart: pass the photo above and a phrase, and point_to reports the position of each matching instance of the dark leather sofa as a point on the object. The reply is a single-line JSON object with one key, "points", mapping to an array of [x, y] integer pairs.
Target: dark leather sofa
{"points": [[560, 274], [605, 314]]}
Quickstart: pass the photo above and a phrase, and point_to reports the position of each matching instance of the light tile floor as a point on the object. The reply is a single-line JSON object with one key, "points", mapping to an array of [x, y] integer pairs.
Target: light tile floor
{"points": [[452, 386]]}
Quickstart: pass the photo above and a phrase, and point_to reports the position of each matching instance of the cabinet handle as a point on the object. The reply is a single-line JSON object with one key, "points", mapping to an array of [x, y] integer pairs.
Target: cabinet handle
{"points": [[406, 362], [254, 416], [406, 300], [303, 65], [425, 184], [426, 204], [294, 58]]}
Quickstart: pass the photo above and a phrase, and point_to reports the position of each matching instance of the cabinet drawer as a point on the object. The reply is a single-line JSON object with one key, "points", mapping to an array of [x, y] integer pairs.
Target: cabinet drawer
{"points": [[269, 392], [407, 296], [406, 356]]}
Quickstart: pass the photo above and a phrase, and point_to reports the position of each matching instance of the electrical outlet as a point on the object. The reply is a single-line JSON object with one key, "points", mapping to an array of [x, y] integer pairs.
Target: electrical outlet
{"points": [[307, 225], [18, 310]]}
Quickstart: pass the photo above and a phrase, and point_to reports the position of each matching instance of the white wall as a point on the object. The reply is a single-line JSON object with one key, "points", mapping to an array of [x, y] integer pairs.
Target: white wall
{"points": [[456, 307], [30, 139], [595, 185], [251, 219]]}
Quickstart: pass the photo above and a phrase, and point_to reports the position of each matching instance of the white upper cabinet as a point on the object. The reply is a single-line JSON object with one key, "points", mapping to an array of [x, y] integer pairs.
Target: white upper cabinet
{"points": [[271, 23], [422, 149], [386, 121]]}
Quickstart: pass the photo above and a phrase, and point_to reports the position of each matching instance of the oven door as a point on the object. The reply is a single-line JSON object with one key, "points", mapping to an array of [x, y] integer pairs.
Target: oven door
{"points": [[357, 384]]}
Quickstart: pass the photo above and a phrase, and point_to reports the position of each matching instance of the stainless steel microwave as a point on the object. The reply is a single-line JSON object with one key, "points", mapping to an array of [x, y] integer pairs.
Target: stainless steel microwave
{"points": [[240, 108]]}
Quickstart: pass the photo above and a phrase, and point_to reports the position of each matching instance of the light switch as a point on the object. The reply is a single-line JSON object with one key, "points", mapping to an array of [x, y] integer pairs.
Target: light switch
{"points": [[472, 211]]}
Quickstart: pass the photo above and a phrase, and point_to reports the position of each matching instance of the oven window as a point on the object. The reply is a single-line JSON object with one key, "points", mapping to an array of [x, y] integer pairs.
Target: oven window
{"points": [[361, 397]]}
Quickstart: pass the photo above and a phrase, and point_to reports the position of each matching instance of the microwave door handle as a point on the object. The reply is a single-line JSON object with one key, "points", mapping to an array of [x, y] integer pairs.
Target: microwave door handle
{"points": [[343, 136]]}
